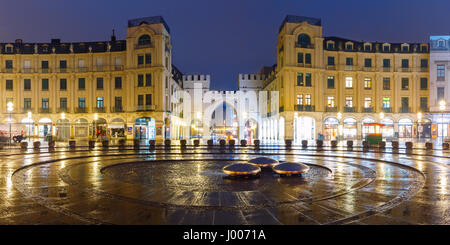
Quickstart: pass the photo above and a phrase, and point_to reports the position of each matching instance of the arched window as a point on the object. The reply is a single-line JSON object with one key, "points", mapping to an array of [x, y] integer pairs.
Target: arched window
{"points": [[144, 39], [304, 40]]}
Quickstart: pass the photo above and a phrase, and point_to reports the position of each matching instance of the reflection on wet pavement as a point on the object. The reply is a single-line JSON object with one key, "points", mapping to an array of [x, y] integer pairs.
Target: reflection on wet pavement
{"points": [[174, 186]]}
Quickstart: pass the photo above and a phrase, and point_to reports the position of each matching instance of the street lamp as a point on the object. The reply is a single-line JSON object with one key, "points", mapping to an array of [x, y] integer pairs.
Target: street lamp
{"points": [[95, 126], [442, 109], [381, 115], [419, 118], [10, 108], [340, 127], [29, 123]]}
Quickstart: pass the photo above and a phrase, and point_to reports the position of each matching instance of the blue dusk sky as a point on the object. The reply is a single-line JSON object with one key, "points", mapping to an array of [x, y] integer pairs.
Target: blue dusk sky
{"points": [[223, 37]]}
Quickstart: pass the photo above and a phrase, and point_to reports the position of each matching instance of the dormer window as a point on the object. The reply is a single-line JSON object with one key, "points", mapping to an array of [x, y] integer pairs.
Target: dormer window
{"points": [[349, 46], [367, 47], [9, 48], [405, 48], [441, 43], [330, 45], [386, 48], [424, 48]]}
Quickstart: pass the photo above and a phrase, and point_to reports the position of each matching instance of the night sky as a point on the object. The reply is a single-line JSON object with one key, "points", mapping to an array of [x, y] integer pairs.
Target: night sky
{"points": [[222, 38]]}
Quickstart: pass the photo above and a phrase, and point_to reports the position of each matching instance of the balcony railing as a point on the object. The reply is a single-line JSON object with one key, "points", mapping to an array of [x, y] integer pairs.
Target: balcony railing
{"points": [[145, 108], [367, 109], [62, 70], [81, 110], [45, 70], [386, 69], [404, 69], [148, 45], [100, 68], [8, 70], [83, 69], [118, 67], [331, 109], [44, 110], [304, 108], [349, 109], [405, 109], [387, 109], [424, 109], [63, 109], [370, 69], [349, 67], [423, 69], [298, 45], [27, 70], [117, 109], [26, 109], [331, 67], [144, 65], [99, 109]]}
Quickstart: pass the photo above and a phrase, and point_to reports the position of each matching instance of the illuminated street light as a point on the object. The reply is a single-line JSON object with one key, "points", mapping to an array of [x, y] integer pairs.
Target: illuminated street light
{"points": [[339, 115], [381, 115], [63, 115], [442, 108], [10, 109], [419, 115], [95, 125], [442, 105]]}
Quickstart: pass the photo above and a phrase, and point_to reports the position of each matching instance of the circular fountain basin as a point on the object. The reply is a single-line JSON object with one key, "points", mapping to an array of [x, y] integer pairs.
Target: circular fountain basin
{"points": [[241, 169], [264, 162], [290, 168]]}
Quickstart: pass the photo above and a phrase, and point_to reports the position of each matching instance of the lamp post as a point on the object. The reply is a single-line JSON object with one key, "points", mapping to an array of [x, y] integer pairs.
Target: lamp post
{"points": [[381, 115], [419, 118], [63, 126], [29, 122], [10, 106], [340, 127], [442, 108], [95, 128]]}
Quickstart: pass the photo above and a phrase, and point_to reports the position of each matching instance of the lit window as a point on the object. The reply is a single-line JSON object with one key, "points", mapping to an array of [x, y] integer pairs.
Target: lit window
{"points": [[367, 83], [367, 102], [330, 101], [386, 102], [299, 99], [308, 99], [349, 101], [348, 82]]}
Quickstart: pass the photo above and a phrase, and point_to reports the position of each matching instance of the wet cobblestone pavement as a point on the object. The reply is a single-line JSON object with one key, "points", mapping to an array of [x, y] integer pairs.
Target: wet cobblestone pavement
{"points": [[175, 186]]}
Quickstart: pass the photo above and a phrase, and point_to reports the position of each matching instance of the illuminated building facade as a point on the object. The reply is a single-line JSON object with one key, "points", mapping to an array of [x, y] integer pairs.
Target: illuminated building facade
{"points": [[332, 86], [79, 90]]}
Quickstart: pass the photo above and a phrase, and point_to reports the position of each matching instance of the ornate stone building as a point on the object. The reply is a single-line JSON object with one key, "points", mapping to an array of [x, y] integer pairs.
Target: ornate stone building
{"points": [[115, 88], [333, 85]]}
